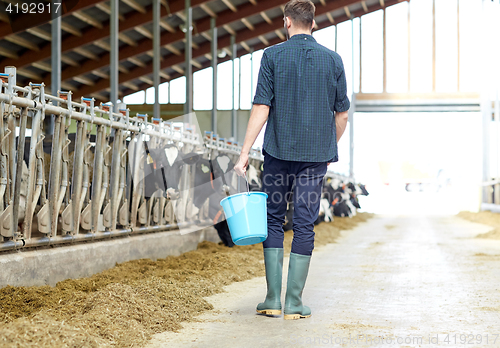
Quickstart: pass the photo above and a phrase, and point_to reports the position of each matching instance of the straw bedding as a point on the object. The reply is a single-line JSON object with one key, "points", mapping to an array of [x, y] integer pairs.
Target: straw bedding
{"points": [[126, 305], [487, 218]]}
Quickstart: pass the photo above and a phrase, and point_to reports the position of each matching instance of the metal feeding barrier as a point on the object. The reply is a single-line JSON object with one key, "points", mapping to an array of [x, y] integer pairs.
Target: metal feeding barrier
{"points": [[97, 190], [44, 202]]}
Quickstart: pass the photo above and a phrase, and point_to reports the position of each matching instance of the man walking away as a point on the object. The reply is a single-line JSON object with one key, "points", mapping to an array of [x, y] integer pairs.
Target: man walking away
{"points": [[302, 94]]}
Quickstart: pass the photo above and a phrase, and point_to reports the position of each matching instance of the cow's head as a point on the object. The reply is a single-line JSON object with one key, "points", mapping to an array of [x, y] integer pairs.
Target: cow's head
{"points": [[169, 161]]}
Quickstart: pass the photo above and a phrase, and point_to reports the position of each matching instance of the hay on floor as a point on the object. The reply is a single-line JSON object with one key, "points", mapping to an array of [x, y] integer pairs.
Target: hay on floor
{"points": [[126, 305]]}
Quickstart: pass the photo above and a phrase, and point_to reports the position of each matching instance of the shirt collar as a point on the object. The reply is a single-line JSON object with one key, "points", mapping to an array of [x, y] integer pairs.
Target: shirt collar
{"points": [[303, 37]]}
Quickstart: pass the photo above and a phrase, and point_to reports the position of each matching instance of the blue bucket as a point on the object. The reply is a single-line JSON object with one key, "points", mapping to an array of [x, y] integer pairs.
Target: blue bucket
{"points": [[246, 215]]}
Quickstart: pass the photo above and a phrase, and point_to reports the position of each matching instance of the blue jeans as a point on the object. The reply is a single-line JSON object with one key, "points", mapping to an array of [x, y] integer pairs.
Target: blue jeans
{"points": [[305, 180]]}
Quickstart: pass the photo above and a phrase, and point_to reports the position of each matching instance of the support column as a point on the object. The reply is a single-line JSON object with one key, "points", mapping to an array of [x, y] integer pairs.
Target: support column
{"points": [[234, 132], [434, 45], [213, 24], [487, 113], [497, 131], [251, 76], [55, 60], [156, 56], [188, 108], [351, 110], [113, 43], [385, 53]]}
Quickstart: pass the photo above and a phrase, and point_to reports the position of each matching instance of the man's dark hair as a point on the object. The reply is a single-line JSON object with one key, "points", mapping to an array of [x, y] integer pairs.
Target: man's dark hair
{"points": [[301, 12]]}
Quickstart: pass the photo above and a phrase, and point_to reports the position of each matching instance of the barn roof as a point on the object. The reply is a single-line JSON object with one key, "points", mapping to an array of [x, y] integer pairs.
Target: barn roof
{"points": [[256, 24]]}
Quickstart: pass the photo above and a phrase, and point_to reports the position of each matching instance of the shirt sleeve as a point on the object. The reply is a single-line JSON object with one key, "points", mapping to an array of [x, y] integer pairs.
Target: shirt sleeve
{"points": [[342, 102], [265, 85]]}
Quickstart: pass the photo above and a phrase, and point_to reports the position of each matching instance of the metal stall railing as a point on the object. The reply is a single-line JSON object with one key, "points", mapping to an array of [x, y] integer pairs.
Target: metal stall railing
{"points": [[92, 185], [87, 193]]}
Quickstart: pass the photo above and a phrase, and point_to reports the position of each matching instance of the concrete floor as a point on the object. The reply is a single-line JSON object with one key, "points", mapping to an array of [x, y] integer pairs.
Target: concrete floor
{"points": [[403, 281]]}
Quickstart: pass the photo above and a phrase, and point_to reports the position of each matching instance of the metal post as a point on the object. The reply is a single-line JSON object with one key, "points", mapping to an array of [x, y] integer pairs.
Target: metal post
{"points": [[234, 131], [351, 111], [458, 46], [384, 89], [497, 131], [55, 60], [409, 49], [213, 24], [360, 57], [251, 75], [188, 108], [434, 45], [487, 112], [113, 42], [156, 56], [239, 85]]}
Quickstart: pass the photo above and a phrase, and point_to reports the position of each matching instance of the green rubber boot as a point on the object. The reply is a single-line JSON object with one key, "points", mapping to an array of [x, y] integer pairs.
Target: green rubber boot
{"points": [[297, 275], [273, 260]]}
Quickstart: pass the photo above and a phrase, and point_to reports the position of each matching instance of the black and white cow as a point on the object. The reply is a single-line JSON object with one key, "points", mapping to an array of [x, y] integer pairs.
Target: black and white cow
{"points": [[163, 169]]}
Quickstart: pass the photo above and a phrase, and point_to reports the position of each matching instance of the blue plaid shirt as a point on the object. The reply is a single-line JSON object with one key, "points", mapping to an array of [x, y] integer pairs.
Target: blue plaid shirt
{"points": [[304, 83]]}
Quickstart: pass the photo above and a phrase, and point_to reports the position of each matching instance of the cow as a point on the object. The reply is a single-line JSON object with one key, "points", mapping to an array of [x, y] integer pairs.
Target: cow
{"points": [[159, 175], [214, 180]]}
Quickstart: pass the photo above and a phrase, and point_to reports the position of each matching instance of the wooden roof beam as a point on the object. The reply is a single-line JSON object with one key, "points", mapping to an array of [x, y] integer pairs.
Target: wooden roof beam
{"points": [[88, 19], [105, 8], [100, 74], [263, 40], [204, 24], [42, 34], [29, 74], [229, 4], [347, 12], [127, 39], [69, 61], [178, 69], [135, 19], [31, 21], [330, 18], [242, 35], [280, 34], [131, 86], [43, 66], [363, 4], [266, 17], [135, 5], [136, 61], [173, 49], [167, 26], [20, 41], [144, 32], [86, 53], [196, 63], [70, 29], [208, 10], [8, 53], [103, 44], [146, 80], [164, 75], [247, 24], [84, 80], [229, 29], [245, 46]]}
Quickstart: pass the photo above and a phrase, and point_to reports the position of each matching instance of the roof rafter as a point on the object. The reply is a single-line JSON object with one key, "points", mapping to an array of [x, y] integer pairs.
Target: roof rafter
{"points": [[32, 20], [242, 35]]}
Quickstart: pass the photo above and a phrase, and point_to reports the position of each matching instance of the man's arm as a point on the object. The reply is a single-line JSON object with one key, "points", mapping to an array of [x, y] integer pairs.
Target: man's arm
{"points": [[258, 118], [341, 123]]}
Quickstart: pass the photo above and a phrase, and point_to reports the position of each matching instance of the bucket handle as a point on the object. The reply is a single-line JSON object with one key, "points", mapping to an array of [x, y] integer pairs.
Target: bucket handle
{"points": [[248, 186]]}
